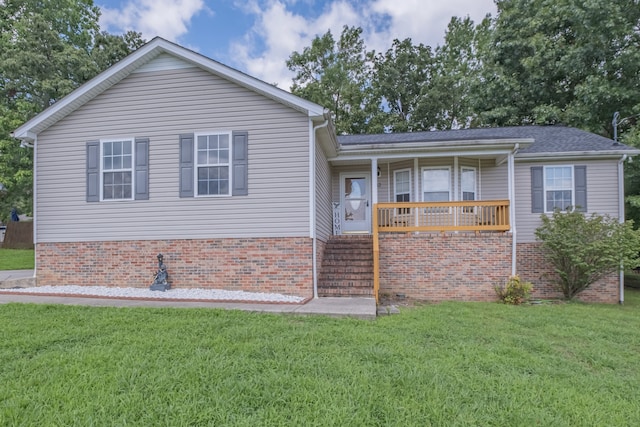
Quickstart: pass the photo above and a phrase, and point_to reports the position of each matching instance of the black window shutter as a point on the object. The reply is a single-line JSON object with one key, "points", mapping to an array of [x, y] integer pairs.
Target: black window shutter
{"points": [[240, 163], [537, 189], [186, 165], [580, 176], [93, 171], [142, 169]]}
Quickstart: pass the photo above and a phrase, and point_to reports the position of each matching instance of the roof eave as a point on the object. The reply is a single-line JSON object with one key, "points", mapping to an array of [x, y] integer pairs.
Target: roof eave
{"points": [[611, 154], [436, 145]]}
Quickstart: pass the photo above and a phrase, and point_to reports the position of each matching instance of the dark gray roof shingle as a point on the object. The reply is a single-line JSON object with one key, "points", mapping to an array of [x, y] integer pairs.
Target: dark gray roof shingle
{"points": [[548, 139]]}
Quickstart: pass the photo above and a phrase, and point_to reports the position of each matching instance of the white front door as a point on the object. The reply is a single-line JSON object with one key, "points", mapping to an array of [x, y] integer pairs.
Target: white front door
{"points": [[355, 192]]}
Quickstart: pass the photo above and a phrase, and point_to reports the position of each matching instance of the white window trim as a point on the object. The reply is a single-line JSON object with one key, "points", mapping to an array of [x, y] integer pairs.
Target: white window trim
{"points": [[132, 169], [544, 185], [422, 180], [196, 165], [475, 181], [395, 181]]}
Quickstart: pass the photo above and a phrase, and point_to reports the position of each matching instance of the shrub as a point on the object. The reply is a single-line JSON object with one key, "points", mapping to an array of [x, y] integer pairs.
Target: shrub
{"points": [[584, 249], [515, 291]]}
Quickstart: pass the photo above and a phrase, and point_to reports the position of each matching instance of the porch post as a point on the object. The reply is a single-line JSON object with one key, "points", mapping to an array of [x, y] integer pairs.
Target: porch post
{"points": [[455, 179], [416, 181], [374, 181]]}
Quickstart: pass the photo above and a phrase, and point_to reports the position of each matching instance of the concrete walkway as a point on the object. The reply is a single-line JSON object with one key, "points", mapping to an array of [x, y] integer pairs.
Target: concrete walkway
{"points": [[15, 274], [362, 308]]}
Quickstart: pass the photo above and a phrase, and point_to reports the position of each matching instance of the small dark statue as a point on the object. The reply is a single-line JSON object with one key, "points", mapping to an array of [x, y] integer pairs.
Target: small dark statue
{"points": [[160, 282]]}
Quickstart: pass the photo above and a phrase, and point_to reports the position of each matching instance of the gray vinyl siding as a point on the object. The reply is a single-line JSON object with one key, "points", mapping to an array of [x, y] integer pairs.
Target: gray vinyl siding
{"points": [[602, 193], [494, 180], [161, 105], [324, 209], [491, 180]]}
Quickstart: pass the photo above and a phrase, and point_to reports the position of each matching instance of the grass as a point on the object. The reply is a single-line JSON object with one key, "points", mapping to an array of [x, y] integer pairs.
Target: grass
{"points": [[16, 259], [462, 364]]}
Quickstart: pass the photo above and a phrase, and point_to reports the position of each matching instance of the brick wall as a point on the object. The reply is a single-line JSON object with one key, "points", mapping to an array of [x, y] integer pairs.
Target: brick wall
{"points": [[438, 267], [279, 265], [532, 267]]}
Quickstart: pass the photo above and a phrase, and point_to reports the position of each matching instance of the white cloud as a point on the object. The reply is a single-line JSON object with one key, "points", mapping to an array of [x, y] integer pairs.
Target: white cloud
{"points": [[425, 21], [165, 18], [281, 31]]}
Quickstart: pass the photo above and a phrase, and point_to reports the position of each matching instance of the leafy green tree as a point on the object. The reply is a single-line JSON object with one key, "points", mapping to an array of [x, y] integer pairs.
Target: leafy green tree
{"points": [[108, 48], [584, 249], [47, 49], [631, 136], [336, 75], [456, 75], [400, 83], [561, 61]]}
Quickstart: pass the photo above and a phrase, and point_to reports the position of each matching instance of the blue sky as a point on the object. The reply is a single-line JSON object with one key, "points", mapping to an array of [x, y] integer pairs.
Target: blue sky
{"points": [[257, 36]]}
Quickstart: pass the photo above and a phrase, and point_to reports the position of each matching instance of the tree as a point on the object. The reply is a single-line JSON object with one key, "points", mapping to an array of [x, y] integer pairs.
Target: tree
{"points": [[47, 49], [631, 137], [561, 61], [400, 84], [584, 250], [337, 76]]}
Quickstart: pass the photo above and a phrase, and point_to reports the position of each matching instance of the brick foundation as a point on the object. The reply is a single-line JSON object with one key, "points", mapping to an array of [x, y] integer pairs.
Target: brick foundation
{"points": [[279, 265], [533, 267], [439, 267]]}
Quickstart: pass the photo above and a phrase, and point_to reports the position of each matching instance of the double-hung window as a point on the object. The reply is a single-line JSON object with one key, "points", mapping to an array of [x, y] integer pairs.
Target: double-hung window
{"points": [[558, 188], [436, 187], [213, 163], [117, 169], [468, 183], [402, 180], [436, 184], [402, 188]]}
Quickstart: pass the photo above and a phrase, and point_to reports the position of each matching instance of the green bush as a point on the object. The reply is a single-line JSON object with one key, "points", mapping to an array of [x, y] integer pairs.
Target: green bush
{"points": [[515, 291], [584, 249]]}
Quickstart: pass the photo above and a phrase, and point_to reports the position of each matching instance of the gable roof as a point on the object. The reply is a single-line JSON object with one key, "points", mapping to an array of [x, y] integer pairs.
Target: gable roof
{"points": [[142, 56], [547, 140]]}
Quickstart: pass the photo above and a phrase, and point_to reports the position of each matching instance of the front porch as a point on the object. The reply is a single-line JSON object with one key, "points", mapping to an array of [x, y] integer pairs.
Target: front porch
{"points": [[425, 250]]}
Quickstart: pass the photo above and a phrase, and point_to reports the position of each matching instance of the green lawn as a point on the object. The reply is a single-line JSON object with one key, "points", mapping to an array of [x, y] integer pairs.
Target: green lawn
{"points": [[16, 259], [463, 364]]}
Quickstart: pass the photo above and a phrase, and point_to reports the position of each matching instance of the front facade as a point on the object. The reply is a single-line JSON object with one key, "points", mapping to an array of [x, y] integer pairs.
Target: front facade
{"points": [[457, 210], [243, 186]]}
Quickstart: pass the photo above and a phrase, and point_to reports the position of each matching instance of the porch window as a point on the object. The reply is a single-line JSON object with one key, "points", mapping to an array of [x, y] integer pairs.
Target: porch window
{"points": [[468, 183], [402, 180], [436, 184], [558, 187], [212, 158], [117, 170]]}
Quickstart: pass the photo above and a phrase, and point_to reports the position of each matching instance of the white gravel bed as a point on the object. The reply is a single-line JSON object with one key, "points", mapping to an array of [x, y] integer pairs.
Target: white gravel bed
{"points": [[195, 294]]}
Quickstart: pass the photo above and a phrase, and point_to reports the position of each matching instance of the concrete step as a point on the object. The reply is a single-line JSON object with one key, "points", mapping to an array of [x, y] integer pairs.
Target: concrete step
{"points": [[335, 292]]}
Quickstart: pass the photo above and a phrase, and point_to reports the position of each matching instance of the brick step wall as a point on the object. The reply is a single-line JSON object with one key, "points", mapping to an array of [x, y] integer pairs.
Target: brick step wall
{"points": [[347, 267]]}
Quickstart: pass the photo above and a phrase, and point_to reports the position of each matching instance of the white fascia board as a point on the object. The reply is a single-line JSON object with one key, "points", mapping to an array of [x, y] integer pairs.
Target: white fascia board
{"points": [[141, 56], [437, 145], [575, 155], [418, 154]]}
